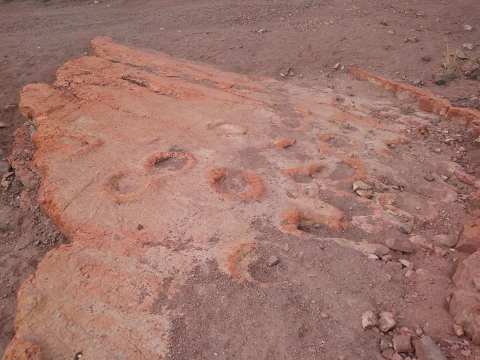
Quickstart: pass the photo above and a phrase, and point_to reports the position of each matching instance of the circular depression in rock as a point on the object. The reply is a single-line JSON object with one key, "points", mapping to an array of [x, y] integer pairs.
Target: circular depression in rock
{"points": [[170, 161]]}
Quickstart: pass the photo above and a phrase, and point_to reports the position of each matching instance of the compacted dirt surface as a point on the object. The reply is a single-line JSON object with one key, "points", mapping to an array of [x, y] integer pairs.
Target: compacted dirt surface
{"points": [[193, 213]]}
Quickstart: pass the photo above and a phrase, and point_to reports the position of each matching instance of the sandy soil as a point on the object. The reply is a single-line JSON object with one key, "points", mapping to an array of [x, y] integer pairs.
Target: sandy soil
{"points": [[255, 37]]}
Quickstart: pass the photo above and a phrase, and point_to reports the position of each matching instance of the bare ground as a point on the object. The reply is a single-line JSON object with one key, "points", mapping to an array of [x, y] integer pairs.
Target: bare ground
{"points": [[257, 37]]}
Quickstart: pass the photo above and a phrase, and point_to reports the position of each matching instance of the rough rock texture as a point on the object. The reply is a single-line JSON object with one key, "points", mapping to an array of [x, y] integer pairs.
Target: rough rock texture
{"points": [[426, 349], [168, 180], [22, 350], [465, 302]]}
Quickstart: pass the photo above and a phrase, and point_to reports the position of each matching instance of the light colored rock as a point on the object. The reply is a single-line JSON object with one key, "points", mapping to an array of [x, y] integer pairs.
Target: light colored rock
{"points": [[465, 300], [364, 247], [100, 179], [406, 263], [396, 356], [361, 185], [273, 260], [464, 308], [363, 189], [369, 319], [22, 350], [388, 353], [458, 330], [466, 353], [411, 39], [406, 227], [386, 321]]}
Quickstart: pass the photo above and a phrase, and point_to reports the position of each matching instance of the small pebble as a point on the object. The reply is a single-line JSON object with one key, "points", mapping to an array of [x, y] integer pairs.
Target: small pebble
{"points": [[273, 260], [369, 319], [386, 322], [458, 330]]}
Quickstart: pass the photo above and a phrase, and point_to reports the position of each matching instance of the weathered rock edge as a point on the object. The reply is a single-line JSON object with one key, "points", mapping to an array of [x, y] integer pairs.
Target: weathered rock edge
{"points": [[464, 304]]}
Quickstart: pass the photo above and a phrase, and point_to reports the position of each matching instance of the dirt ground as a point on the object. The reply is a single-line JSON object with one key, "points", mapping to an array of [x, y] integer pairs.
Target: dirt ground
{"points": [[254, 37]]}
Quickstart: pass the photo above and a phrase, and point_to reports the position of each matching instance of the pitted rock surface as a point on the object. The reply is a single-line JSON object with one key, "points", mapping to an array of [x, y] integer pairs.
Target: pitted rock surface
{"points": [[176, 182]]}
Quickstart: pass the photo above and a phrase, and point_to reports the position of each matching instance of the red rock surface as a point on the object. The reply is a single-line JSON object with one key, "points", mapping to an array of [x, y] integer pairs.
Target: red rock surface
{"points": [[163, 176]]}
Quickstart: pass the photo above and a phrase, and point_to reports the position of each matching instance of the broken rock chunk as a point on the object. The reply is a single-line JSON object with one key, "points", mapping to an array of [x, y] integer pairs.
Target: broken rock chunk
{"points": [[372, 249], [386, 321], [369, 319], [363, 189], [272, 261], [421, 241], [465, 302]]}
